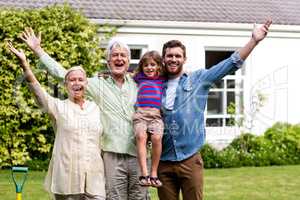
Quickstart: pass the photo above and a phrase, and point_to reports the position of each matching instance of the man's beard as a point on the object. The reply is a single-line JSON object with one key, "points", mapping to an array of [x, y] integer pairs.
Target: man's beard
{"points": [[176, 72]]}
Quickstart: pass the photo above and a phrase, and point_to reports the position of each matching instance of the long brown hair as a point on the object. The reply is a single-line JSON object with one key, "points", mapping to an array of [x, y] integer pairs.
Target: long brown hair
{"points": [[150, 55]]}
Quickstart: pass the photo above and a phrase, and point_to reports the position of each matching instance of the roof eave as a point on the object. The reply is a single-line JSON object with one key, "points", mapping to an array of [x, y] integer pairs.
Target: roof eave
{"points": [[190, 25]]}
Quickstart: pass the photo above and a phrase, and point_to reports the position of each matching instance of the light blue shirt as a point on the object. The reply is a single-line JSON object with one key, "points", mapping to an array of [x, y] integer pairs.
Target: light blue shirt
{"points": [[184, 124]]}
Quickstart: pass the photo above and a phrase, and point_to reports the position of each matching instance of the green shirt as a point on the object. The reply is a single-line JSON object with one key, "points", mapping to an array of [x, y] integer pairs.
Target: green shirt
{"points": [[116, 105]]}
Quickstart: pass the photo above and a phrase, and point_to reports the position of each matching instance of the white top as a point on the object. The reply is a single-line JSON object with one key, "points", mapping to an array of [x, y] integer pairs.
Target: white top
{"points": [[171, 93], [76, 165]]}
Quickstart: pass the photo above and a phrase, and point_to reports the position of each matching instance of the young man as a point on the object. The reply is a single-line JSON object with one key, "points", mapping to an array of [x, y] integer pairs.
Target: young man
{"points": [[115, 95], [184, 100]]}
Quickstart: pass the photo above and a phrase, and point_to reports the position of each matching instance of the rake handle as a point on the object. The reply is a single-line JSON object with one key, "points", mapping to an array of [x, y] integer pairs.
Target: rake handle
{"points": [[19, 196]]}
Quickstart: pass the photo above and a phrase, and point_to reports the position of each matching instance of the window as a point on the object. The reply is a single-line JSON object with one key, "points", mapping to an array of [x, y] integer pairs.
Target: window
{"points": [[136, 53], [225, 94]]}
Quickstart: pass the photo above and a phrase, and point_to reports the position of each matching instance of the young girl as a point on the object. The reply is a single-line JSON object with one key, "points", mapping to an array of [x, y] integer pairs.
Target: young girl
{"points": [[147, 118]]}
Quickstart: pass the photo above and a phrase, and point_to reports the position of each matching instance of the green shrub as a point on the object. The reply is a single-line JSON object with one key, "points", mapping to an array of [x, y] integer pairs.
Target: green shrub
{"points": [[246, 142], [229, 157], [279, 145], [285, 140], [38, 164], [209, 156], [25, 132]]}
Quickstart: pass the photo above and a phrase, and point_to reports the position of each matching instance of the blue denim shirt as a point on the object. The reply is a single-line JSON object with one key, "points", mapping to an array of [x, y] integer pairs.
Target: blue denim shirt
{"points": [[184, 125]]}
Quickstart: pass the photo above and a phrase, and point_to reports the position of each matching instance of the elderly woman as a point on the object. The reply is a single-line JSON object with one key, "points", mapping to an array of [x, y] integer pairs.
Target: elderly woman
{"points": [[76, 169]]}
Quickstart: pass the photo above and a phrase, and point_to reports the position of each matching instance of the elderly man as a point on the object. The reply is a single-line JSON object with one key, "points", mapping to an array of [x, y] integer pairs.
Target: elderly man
{"points": [[115, 95]]}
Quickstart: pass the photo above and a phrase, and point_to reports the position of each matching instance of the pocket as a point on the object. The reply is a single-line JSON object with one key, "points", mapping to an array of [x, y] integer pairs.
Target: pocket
{"points": [[188, 86]]}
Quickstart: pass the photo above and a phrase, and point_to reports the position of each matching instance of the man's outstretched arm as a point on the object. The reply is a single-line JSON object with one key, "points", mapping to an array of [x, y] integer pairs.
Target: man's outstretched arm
{"points": [[34, 43], [258, 34], [236, 60]]}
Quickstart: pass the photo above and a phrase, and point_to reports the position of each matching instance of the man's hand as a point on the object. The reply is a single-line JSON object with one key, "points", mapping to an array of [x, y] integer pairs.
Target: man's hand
{"points": [[259, 33], [32, 41]]}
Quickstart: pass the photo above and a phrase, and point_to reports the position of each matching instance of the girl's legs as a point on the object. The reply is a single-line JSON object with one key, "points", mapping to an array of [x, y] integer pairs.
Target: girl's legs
{"points": [[141, 141], [156, 152]]}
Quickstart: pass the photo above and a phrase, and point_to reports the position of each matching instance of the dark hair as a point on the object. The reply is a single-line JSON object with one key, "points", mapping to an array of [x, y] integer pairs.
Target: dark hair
{"points": [[172, 44], [150, 55]]}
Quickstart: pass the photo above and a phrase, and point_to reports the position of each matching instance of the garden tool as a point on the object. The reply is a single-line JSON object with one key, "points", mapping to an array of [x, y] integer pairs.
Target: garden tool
{"points": [[19, 175]]}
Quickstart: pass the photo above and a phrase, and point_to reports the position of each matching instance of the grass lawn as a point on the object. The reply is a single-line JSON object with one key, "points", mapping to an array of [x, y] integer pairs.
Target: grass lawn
{"points": [[248, 183]]}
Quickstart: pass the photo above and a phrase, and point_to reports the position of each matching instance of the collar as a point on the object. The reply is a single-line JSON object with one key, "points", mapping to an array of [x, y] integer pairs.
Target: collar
{"points": [[183, 75], [109, 78]]}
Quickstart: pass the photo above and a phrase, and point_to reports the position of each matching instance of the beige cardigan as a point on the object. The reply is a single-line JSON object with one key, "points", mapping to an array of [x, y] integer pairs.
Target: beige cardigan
{"points": [[76, 165]]}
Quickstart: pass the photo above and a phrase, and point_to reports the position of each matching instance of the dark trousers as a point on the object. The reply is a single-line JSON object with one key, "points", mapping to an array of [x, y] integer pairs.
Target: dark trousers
{"points": [[186, 175]]}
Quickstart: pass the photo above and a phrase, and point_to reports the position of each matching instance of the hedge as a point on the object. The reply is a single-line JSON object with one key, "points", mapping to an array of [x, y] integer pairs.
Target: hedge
{"points": [[25, 132], [279, 145]]}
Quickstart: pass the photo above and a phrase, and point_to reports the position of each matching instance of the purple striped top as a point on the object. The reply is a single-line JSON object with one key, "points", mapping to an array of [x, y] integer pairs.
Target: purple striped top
{"points": [[149, 90]]}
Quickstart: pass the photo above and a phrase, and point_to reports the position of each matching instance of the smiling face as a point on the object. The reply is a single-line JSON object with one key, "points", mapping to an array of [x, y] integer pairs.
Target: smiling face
{"points": [[76, 83], [118, 61], [151, 68], [150, 64], [174, 59]]}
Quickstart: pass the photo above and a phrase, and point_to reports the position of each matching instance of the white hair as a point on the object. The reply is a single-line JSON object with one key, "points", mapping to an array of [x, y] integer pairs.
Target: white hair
{"points": [[75, 68], [116, 42]]}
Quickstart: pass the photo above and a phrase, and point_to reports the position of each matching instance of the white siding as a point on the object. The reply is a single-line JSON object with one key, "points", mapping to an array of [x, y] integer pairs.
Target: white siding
{"points": [[273, 68]]}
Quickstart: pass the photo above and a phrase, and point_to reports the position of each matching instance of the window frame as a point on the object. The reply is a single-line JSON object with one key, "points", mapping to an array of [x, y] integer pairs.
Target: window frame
{"points": [[144, 49], [239, 94]]}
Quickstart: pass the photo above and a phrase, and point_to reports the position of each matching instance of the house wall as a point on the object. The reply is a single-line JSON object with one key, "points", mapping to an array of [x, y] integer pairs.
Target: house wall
{"points": [[272, 69]]}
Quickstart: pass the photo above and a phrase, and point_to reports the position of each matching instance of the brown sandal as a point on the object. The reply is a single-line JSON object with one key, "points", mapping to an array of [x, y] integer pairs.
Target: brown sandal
{"points": [[144, 181], [155, 182]]}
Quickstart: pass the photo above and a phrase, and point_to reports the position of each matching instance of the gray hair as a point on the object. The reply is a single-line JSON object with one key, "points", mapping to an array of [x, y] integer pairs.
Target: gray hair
{"points": [[116, 42], [75, 68]]}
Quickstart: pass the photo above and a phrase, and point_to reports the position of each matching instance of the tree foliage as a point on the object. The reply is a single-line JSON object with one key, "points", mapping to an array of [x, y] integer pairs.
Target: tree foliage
{"points": [[25, 131]]}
